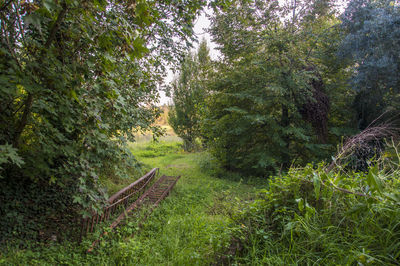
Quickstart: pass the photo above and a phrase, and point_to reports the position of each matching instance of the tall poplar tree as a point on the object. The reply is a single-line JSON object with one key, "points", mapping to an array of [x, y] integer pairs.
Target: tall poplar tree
{"points": [[188, 94]]}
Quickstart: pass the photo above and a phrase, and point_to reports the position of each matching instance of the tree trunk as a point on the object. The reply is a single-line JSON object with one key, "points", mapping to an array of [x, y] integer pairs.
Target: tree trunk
{"points": [[285, 124], [24, 119]]}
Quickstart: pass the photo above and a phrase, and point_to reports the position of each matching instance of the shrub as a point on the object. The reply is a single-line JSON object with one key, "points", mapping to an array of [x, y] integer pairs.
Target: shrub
{"points": [[157, 149], [310, 216]]}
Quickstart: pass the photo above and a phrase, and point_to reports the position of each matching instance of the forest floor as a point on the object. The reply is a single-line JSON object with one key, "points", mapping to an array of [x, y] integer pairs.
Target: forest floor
{"points": [[191, 226]]}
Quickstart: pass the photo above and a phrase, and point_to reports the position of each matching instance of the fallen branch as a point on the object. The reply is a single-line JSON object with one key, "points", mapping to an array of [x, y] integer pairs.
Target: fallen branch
{"points": [[340, 189], [363, 140]]}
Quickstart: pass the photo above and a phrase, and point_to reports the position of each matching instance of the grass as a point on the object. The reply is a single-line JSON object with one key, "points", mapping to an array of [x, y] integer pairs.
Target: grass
{"points": [[191, 226], [211, 217], [299, 221]]}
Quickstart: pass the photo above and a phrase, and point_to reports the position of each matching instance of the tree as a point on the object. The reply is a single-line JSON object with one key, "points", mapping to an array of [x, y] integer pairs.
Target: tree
{"points": [[372, 43], [189, 93], [75, 79], [271, 95]]}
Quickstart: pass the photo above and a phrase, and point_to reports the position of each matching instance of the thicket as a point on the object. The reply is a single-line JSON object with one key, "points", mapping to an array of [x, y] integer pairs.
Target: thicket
{"points": [[312, 216], [76, 80], [293, 79]]}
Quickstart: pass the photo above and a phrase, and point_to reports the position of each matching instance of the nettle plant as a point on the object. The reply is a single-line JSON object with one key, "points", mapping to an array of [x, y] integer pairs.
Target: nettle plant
{"points": [[75, 79], [314, 214]]}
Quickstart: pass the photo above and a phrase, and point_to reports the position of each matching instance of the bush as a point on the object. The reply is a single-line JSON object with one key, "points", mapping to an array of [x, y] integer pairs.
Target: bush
{"points": [[209, 164], [309, 216], [157, 149]]}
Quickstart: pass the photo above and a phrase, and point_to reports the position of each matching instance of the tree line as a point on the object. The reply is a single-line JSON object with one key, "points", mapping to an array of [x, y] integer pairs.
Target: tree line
{"points": [[292, 80]]}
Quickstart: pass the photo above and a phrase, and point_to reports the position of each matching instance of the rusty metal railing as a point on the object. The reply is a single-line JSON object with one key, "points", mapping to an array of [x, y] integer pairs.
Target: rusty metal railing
{"points": [[151, 197], [156, 193], [118, 201]]}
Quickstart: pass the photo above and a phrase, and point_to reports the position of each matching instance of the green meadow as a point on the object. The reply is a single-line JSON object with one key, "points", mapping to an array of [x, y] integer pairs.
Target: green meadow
{"points": [[190, 227]]}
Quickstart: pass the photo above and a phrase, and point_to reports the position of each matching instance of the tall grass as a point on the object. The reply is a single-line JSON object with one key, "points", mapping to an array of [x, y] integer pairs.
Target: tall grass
{"points": [[191, 226], [311, 217]]}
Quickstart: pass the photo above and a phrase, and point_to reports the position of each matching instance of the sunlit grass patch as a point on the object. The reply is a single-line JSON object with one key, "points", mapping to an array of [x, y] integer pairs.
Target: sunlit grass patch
{"points": [[156, 149]]}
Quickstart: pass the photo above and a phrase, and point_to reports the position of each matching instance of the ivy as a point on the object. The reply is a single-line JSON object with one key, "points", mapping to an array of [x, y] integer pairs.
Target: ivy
{"points": [[77, 79]]}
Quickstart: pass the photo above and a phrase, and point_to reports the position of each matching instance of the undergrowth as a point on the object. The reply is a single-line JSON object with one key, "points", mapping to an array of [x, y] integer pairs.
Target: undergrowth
{"points": [[311, 217], [191, 226]]}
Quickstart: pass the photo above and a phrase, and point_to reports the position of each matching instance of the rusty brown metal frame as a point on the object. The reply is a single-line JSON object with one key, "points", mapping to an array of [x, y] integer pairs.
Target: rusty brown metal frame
{"points": [[116, 201], [155, 194], [151, 194]]}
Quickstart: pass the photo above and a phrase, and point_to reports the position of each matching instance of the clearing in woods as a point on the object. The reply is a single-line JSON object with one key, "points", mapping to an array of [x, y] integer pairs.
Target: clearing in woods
{"points": [[191, 226]]}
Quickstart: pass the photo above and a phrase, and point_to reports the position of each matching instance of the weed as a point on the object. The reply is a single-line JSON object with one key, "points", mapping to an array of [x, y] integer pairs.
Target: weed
{"points": [[312, 217], [191, 226]]}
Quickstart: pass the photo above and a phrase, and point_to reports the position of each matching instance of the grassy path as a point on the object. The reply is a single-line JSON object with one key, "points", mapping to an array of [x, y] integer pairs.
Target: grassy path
{"points": [[190, 227]]}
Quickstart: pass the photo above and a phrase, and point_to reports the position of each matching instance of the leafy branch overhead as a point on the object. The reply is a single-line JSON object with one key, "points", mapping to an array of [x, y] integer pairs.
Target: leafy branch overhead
{"points": [[76, 80]]}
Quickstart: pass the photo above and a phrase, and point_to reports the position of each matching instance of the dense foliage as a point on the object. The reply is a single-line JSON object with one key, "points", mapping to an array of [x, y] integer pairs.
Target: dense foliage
{"points": [[373, 44], [188, 95], [278, 94], [188, 228], [293, 78], [310, 216], [76, 78]]}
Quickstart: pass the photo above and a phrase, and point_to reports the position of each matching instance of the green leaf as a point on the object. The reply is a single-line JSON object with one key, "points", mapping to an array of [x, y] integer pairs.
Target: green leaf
{"points": [[139, 48], [77, 199], [73, 94], [9, 154], [300, 204], [34, 19], [52, 180], [393, 196], [373, 179], [50, 5], [317, 185]]}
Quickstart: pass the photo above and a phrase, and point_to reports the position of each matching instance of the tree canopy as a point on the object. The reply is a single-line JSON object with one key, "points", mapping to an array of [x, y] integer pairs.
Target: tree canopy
{"points": [[272, 93], [76, 80], [372, 44], [188, 94]]}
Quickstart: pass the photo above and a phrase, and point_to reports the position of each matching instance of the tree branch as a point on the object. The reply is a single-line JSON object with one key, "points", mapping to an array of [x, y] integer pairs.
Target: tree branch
{"points": [[21, 29], [56, 25], [2, 8], [24, 119], [7, 41], [29, 100]]}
